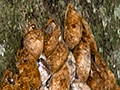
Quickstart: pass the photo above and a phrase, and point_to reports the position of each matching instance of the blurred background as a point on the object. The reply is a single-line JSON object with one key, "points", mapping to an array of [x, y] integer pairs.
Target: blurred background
{"points": [[103, 16]]}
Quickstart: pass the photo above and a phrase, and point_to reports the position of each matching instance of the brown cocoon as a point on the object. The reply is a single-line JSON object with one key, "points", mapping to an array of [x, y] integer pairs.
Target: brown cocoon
{"points": [[100, 78], [21, 83], [33, 40], [60, 80], [110, 77], [93, 84], [90, 38], [51, 37], [7, 86], [116, 87], [73, 30], [58, 57], [6, 83], [7, 74], [83, 60], [101, 74], [28, 68]]}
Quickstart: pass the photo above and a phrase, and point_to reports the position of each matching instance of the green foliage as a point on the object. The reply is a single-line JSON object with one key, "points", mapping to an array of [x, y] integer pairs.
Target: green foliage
{"points": [[62, 3]]}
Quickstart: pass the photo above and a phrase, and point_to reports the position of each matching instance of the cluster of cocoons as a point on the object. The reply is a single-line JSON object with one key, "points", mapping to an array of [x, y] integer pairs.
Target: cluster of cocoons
{"points": [[50, 60]]}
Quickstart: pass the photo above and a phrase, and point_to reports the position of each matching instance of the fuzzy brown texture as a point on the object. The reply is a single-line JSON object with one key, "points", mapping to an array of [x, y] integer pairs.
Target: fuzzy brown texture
{"points": [[6, 84], [83, 60], [98, 78], [116, 87], [28, 68], [17, 83], [21, 83], [60, 80], [89, 36], [102, 75], [50, 26], [100, 62], [51, 37], [7, 74], [58, 57], [93, 84], [73, 30], [33, 40]]}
